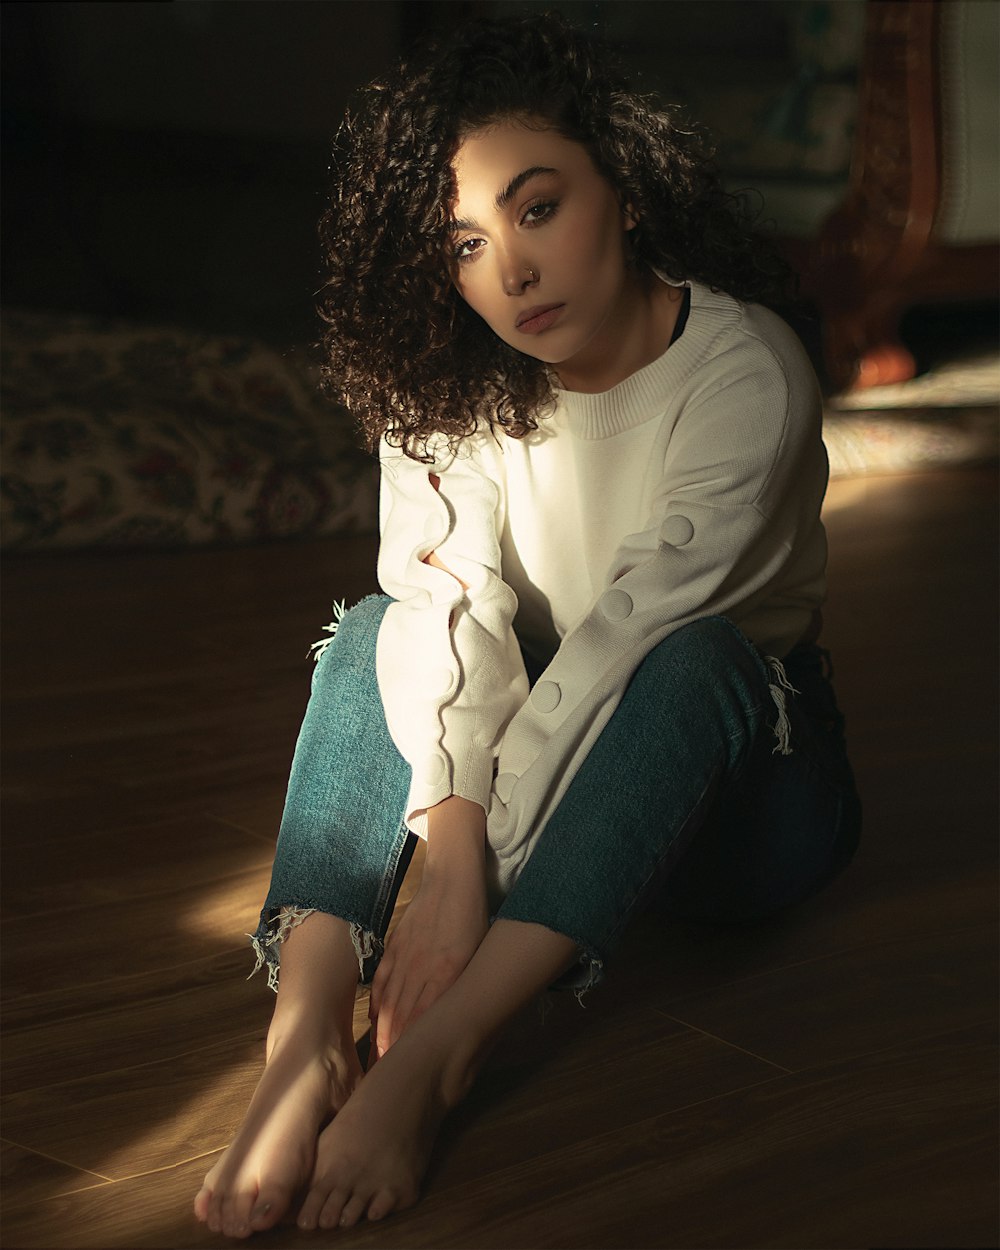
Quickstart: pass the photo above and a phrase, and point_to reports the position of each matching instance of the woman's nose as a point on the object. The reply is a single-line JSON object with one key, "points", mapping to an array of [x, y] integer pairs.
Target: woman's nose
{"points": [[517, 277]]}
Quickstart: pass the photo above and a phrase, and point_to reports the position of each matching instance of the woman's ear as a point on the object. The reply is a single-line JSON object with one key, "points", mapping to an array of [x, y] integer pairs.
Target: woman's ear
{"points": [[629, 216]]}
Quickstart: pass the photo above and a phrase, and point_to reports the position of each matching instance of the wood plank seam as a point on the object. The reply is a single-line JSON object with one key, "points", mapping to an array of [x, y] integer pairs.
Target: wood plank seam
{"points": [[725, 1042], [167, 1167], [75, 1167]]}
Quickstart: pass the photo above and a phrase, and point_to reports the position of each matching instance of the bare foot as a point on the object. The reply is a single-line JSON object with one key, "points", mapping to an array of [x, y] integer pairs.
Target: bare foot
{"points": [[272, 1155], [372, 1157]]}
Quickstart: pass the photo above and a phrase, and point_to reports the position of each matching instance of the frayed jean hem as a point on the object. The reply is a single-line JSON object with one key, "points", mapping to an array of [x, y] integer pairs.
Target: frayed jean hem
{"points": [[582, 977], [275, 926]]}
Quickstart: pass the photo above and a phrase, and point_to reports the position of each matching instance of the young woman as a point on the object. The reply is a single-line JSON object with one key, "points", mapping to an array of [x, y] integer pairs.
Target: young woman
{"points": [[594, 673]]}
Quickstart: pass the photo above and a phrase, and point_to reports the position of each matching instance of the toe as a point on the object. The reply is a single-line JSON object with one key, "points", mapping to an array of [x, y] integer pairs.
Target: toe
{"points": [[214, 1217], [333, 1208], [353, 1210], [313, 1205], [272, 1201], [201, 1202], [380, 1206], [263, 1214], [236, 1214]]}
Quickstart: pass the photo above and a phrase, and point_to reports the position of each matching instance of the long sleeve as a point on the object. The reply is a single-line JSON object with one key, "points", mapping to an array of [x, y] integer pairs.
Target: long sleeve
{"points": [[733, 529], [449, 667]]}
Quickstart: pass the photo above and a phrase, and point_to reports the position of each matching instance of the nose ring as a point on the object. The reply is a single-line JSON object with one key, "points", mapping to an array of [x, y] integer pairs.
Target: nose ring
{"points": [[532, 275]]}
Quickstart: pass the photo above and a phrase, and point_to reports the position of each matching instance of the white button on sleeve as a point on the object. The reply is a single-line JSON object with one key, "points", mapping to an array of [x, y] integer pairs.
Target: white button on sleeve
{"points": [[616, 604], [504, 786], [676, 530], [433, 769], [545, 696]]}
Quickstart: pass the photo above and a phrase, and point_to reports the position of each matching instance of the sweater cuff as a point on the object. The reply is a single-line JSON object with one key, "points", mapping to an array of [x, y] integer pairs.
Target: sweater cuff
{"points": [[437, 779]]}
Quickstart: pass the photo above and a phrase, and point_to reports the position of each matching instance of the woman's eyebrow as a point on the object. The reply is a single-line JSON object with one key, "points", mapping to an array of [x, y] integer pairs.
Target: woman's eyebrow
{"points": [[504, 197]]}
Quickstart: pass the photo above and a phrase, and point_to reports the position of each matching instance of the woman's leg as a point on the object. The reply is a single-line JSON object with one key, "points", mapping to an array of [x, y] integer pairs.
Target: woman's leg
{"points": [[787, 826], [340, 859], [690, 728], [697, 718], [342, 847], [372, 1157], [311, 1068], [688, 795]]}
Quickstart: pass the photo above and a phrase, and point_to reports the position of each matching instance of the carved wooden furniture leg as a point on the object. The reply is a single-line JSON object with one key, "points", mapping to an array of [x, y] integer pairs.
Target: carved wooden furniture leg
{"points": [[870, 246]]}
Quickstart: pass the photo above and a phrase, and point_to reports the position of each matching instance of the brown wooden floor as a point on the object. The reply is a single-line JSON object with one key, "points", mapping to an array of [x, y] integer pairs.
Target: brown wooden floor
{"points": [[828, 1080]]}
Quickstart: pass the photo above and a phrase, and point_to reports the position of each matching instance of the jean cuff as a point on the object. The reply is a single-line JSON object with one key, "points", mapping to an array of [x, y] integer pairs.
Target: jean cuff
{"points": [[276, 925]]}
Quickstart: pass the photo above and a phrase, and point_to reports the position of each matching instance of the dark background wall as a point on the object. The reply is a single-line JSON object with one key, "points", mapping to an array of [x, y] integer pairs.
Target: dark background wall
{"points": [[168, 161]]}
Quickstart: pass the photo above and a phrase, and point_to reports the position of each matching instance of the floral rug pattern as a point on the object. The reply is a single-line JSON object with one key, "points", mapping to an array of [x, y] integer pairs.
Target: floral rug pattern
{"points": [[119, 435]]}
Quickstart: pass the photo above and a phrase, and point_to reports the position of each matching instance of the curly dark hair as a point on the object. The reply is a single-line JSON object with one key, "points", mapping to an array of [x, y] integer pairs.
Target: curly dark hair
{"points": [[403, 350]]}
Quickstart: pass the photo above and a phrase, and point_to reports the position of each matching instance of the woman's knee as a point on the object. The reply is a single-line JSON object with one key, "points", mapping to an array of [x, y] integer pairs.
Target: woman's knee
{"points": [[703, 690], [354, 635], [707, 652], [364, 619]]}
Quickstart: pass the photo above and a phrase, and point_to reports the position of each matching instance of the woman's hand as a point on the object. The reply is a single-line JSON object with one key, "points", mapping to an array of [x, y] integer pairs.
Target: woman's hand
{"points": [[441, 928]]}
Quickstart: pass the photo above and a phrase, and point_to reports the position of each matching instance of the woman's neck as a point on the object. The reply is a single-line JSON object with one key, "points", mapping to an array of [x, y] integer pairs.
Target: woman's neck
{"points": [[637, 332]]}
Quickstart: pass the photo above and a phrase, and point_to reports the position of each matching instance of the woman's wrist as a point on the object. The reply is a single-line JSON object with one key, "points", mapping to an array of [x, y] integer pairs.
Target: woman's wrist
{"points": [[456, 838]]}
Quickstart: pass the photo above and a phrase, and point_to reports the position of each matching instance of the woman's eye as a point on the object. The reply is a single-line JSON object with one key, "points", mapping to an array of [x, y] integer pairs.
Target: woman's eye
{"points": [[537, 213], [466, 250]]}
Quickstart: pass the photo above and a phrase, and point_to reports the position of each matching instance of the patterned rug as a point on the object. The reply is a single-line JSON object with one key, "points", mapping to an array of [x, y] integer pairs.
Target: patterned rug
{"points": [[942, 419]]}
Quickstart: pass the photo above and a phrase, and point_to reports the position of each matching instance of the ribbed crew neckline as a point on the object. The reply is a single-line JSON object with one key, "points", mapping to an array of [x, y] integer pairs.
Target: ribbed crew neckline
{"points": [[646, 393]]}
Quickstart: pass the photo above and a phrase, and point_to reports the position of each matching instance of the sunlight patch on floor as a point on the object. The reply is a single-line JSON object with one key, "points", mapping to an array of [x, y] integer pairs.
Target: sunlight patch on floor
{"points": [[225, 909], [848, 492]]}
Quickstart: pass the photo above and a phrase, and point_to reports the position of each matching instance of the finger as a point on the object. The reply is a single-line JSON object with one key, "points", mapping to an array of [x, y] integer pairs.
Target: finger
{"points": [[402, 1013], [383, 974], [383, 1025], [384, 1021], [428, 996]]}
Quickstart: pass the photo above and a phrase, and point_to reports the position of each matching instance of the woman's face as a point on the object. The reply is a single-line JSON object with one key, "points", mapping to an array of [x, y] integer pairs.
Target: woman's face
{"points": [[539, 246]]}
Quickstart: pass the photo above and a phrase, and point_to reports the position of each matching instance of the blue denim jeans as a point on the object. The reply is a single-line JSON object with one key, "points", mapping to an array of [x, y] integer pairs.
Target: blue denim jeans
{"points": [[684, 797]]}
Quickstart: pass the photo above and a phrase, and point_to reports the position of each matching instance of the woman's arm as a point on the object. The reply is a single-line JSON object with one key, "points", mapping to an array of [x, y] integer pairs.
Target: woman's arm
{"points": [[450, 671], [448, 917], [441, 928]]}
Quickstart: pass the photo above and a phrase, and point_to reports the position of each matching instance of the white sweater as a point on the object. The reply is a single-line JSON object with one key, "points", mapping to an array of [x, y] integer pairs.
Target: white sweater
{"points": [[693, 488]]}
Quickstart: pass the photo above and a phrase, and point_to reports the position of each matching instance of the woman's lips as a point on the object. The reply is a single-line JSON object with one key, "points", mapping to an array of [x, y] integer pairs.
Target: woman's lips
{"points": [[539, 318]]}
